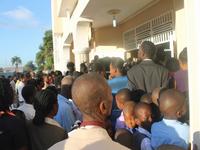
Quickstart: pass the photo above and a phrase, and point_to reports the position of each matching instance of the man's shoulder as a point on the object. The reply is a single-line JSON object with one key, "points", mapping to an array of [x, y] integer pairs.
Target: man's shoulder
{"points": [[63, 100]]}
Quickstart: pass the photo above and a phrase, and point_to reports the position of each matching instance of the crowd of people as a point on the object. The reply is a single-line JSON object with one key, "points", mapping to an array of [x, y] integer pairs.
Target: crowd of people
{"points": [[138, 106]]}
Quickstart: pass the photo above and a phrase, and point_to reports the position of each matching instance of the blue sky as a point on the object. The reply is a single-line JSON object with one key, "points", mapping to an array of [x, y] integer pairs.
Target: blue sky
{"points": [[22, 27]]}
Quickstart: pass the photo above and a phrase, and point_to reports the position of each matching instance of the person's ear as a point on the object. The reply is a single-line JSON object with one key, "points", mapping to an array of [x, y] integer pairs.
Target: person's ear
{"points": [[179, 114], [104, 108]]}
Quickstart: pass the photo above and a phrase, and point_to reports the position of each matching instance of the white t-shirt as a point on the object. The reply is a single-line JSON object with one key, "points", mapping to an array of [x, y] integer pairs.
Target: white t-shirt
{"points": [[28, 110], [19, 91], [88, 138]]}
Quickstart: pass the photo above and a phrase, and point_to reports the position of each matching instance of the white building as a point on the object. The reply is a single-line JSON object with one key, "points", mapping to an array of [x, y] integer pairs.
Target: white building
{"points": [[83, 28]]}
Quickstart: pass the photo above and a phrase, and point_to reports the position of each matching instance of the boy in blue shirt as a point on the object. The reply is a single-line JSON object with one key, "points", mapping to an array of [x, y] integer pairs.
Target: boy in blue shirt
{"points": [[172, 105]]}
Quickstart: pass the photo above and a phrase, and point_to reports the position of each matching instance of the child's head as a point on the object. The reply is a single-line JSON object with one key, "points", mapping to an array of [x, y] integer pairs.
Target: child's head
{"points": [[128, 112], [142, 114], [146, 98], [122, 96], [172, 104]]}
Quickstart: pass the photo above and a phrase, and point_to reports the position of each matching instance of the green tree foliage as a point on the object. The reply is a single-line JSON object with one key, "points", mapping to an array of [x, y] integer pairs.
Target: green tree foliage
{"points": [[29, 66], [44, 58], [16, 61]]}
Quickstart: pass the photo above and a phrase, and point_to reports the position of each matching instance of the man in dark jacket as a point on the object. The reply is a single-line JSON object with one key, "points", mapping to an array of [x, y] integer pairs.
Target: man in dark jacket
{"points": [[147, 75]]}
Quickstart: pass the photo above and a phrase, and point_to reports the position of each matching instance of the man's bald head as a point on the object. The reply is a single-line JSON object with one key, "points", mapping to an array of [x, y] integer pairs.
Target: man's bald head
{"points": [[67, 80], [172, 104], [89, 92]]}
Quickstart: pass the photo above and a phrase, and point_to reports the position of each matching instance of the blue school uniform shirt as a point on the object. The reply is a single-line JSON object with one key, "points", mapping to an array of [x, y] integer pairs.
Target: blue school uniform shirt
{"points": [[170, 132], [65, 115], [146, 142], [118, 83]]}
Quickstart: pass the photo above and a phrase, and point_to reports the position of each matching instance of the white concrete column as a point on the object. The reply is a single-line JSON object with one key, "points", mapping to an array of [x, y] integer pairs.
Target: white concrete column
{"points": [[65, 57], [180, 28], [192, 21], [81, 38], [57, 50], [81, 56]]}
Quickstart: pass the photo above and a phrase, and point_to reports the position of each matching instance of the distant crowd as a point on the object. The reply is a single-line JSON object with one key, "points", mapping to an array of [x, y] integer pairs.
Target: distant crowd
{"points": [[108, 104]]}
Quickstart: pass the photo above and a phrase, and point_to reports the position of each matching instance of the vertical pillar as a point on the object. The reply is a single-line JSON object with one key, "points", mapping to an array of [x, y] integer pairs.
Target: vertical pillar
{"points": [[192, 9], [57, 49], [65, 57], [180, 24], [81, 38]]}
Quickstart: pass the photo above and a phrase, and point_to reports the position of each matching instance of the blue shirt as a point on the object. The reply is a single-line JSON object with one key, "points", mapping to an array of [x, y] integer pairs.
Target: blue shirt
{"points": [[118, 83], [65, 115], [146, 142], [170, 132]]}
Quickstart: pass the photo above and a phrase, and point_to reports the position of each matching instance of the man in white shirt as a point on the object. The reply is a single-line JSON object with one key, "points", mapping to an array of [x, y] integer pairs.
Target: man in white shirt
{"points": [[23, 79], [93, 97]]}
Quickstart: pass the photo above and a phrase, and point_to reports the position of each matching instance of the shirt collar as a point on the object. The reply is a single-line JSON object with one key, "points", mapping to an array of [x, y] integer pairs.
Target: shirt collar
{"points": [[51, 122], [63, 98], [170, 121], [144, 131], [147, 59]]}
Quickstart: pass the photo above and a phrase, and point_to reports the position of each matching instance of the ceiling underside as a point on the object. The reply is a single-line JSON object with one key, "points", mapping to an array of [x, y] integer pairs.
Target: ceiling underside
{"points": [[97, 10]]}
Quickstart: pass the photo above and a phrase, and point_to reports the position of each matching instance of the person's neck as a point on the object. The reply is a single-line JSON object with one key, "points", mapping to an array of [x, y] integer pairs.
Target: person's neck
{"points": [[94, 120], [51, 115], [89, 118], [169, 118], [63, 94], [117, 74]]}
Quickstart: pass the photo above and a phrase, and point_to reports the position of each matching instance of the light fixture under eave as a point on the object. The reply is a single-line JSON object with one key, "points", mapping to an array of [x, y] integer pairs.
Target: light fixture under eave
{"points": [[114, 22], [114, 12]]}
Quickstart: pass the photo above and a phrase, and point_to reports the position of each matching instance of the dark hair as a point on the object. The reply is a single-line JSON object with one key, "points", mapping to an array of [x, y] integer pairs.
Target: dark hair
{"points": [[27, 75], [97, 67], [172, 65], [58, 73], [183, 55], [6, 94], [43, 105], [53, 89], [137, 94], [32, 82], [118, 63], [28, 92], [83, 68], [21, 76], [70, 66], [39, 80], [149, 49]]}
